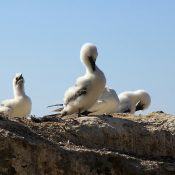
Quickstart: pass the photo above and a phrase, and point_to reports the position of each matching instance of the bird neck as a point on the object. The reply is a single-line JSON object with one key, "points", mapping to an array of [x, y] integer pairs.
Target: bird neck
{"points": [[89, 70], [89, 64], [139, 97], [135, 98], [18, 91]]}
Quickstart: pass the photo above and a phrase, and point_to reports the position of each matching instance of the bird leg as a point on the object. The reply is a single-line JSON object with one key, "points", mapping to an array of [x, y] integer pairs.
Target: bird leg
{"points": [[79, 113], [86, 113]]}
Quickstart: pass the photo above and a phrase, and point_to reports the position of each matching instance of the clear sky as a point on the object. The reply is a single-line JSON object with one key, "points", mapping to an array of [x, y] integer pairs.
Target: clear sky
{"points": [[42, 39]]}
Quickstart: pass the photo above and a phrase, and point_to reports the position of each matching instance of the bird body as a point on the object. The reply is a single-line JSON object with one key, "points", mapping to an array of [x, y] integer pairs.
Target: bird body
{"points": [[132, 101], [89, 87], [126, 102], [20, 105], [107, 103]]}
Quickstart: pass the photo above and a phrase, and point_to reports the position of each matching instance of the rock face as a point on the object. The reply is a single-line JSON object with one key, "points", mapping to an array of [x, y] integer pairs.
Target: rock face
{"points": [[120, 145]]}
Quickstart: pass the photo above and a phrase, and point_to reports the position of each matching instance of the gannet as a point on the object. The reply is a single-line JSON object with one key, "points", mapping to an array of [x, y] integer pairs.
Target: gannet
{"points": [[127, 102], [21, 105], [132, 101], [88, 88], [107, 103]]}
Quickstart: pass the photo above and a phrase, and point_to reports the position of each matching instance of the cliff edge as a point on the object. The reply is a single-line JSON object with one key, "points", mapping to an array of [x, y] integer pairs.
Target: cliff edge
{"points": [[123, 144]]}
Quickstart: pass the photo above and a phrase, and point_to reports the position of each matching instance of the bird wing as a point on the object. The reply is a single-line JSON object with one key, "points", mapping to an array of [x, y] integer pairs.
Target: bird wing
{"points": [[98, 106], [108, 102], [7, 106], [5, 109], [74, 93]]}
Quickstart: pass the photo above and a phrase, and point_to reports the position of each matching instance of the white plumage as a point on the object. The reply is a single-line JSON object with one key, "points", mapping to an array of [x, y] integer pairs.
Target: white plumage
{"points": [[126, 102], [132, 101], [89, 87], [20, 105], [107, 103]]}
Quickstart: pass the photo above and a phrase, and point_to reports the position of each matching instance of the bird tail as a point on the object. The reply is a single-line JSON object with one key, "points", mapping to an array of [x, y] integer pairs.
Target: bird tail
{"points": [[58, 110], [54, 105], [63, 114]]}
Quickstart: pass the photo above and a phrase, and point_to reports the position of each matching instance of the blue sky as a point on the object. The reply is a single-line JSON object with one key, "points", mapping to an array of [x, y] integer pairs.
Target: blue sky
{"points": [[42, 39]]}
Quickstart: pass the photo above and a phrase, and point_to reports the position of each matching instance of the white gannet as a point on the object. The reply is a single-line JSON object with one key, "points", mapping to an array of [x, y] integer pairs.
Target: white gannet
{"points": [[88, 88], [21, 105], [107, 103], [132, 101]]}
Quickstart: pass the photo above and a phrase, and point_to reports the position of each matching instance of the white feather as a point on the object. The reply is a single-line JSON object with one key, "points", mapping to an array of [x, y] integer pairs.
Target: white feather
{"points": [[93, 81], [20, 105], [129, 100], [107, 103]]}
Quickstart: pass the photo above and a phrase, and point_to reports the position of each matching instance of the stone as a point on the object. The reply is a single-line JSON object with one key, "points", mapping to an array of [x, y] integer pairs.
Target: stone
{"points": [[120, 145]]}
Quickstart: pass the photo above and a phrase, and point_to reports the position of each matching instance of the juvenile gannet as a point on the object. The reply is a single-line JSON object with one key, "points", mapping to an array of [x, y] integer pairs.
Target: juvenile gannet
{"points": [[88, 88], [132, 101], [107, 103], [21, 105]]}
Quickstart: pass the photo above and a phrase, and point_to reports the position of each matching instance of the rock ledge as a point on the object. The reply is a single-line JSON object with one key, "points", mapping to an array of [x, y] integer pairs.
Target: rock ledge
{"points": [[120, 145]]}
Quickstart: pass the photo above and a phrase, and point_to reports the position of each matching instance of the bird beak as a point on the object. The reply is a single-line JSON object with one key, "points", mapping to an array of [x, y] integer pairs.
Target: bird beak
{"points": [[92, 62], [19, 79]]}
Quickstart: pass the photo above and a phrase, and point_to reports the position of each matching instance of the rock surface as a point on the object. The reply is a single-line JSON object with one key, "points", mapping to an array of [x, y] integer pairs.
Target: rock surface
{"points": [[120, 145]]}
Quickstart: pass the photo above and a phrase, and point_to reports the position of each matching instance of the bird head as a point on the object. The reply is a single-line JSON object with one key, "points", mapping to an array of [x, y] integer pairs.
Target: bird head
{"points": [[18, 79], [88, 55]]}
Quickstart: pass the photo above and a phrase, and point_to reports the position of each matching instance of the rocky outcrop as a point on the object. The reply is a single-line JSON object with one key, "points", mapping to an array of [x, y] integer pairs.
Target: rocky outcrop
{"points": [[120, 145]]}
